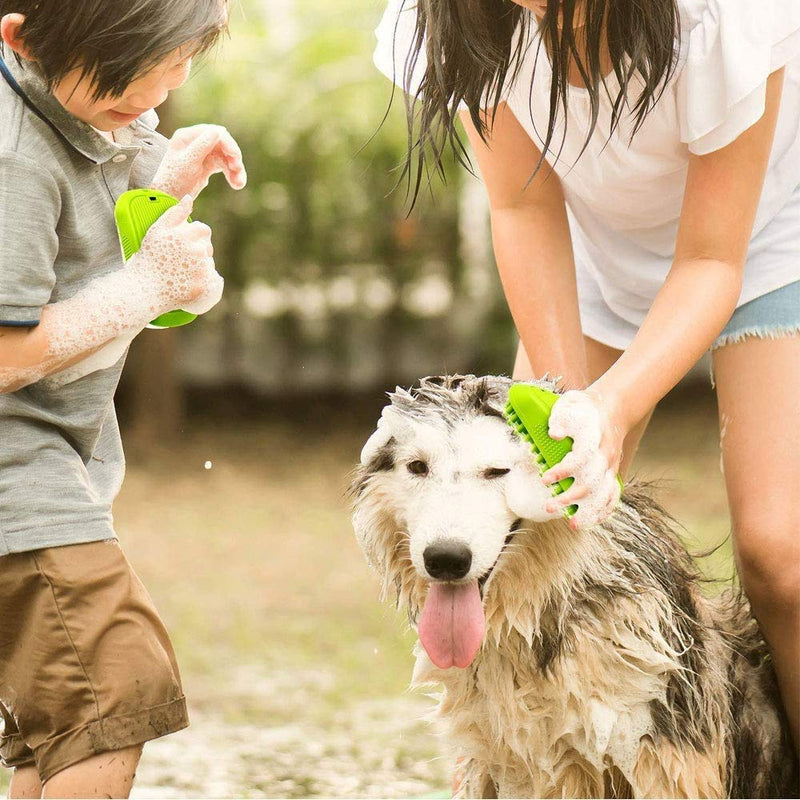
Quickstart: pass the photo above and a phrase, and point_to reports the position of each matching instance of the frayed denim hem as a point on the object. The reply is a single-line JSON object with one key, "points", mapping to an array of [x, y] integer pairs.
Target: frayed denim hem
{"points": [[759, 332], [752, 332]]}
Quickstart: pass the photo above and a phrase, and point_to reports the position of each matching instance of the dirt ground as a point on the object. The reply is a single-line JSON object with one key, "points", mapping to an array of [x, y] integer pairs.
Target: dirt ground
{"points": [[296, 675], [370, 748]]}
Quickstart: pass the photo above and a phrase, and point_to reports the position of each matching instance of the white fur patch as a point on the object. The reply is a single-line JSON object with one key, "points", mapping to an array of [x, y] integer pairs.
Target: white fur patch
{"points": [[526, 495], [389, 425]]}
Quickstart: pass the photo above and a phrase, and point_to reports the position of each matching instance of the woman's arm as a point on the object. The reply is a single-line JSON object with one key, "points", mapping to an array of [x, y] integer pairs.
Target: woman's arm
{"points": [[703, 286], [532, 247], [694, 304]]}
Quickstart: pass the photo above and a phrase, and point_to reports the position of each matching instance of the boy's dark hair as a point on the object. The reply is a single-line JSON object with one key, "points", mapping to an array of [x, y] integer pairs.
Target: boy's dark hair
{"points": [[473, 47], [111, 41]]}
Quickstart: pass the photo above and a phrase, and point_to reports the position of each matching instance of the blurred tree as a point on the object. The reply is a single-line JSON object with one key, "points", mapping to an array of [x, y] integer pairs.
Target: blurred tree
{"points": [[296, 87], [305, 103]]}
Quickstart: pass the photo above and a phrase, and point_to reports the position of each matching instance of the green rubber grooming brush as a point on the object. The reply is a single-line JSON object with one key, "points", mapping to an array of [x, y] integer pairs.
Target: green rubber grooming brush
{"points": [[134, 213], [528, 412]]}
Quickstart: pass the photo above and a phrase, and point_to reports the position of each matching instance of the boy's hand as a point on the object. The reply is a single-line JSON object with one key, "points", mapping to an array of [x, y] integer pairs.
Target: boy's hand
{"points": [[194, 155], [176, 263]]}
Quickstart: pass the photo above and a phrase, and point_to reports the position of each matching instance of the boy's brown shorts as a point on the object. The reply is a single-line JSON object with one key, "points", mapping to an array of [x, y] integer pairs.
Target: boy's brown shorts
{"points": [[86, 665]]}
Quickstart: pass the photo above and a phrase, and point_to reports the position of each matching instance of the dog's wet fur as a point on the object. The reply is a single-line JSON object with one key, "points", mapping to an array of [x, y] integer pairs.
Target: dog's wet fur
{"points": [[604, 669]]}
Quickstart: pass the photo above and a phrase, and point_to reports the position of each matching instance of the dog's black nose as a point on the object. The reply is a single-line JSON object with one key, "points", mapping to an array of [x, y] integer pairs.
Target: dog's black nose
{"points": [[447, 560]]}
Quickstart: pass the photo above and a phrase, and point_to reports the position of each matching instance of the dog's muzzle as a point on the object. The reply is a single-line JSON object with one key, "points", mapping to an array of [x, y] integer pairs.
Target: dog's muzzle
{"points": [[447, 560]]}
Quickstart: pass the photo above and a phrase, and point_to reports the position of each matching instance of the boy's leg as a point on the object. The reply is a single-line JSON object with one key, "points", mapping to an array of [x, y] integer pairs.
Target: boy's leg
{"points": [[25, 783], [107, 775], [758, 386], [117, 768], [14, 753]]}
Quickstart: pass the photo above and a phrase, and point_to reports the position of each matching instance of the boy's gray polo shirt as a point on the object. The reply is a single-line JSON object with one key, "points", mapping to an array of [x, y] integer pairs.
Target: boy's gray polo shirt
{"points": [[61, 460]]}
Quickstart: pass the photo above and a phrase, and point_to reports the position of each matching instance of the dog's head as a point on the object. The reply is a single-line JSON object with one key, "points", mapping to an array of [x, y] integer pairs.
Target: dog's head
{"points": [[444, 486]]}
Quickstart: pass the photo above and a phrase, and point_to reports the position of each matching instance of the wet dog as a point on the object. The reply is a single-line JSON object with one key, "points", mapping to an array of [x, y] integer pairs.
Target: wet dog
{"points": [[573, 664]]}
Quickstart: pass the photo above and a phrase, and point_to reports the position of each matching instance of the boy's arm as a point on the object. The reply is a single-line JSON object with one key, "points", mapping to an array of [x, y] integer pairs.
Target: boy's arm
{"points": [[174, 267], [30, 209], [24, 354]]}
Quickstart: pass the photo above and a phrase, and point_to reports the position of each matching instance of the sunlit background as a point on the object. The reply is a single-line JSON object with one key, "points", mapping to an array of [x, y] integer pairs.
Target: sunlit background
{"points": [[330, 285], [241, 428]]}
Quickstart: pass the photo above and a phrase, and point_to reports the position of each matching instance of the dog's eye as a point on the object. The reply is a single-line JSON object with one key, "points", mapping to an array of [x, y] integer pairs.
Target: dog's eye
{"points": [[417, 467], [495, 472]]}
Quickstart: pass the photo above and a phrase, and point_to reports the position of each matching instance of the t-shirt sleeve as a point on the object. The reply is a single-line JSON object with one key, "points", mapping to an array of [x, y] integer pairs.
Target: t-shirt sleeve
{"points": [[393, 54], [728, 52], [30, 205]]}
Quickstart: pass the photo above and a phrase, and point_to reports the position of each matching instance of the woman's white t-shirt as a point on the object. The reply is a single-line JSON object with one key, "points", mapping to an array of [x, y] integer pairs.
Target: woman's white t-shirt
{"points": [[624, 197]]}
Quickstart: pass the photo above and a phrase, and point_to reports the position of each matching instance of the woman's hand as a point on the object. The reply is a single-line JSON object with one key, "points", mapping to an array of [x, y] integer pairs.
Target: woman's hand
{"points": [[598, 436], [194, 155]]}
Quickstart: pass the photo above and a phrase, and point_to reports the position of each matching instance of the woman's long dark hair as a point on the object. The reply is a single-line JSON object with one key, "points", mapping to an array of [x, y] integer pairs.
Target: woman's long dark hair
{"points": [[474, 47]]}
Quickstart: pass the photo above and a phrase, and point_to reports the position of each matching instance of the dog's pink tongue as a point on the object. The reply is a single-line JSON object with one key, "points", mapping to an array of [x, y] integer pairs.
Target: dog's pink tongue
{"points": [[451, 626]]}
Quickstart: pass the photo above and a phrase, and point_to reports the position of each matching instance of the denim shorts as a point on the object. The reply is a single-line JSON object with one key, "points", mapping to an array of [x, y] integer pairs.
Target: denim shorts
{"points": [[770, 316]]}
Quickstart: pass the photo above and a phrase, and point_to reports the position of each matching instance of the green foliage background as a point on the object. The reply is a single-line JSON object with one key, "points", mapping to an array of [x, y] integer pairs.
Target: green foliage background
{"points": [[323, 149], [308, 114]]}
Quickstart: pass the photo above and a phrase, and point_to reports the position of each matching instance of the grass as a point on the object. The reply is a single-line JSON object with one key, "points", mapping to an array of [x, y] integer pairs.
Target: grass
{"points": [[272, 609], [254, 558]]}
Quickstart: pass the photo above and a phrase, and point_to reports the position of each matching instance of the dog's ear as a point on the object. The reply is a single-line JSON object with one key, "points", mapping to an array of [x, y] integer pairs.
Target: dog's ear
{"points": [[496, 392], [388, 427], [498, 386], [526, 495]]}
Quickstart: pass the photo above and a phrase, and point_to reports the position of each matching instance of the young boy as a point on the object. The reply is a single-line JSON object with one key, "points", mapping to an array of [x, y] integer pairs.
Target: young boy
{"points": [[87, 672]]}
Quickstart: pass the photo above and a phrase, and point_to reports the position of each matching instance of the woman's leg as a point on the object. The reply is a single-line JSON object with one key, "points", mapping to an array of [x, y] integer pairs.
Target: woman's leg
{"points": [[599, 357], [758, 391]]}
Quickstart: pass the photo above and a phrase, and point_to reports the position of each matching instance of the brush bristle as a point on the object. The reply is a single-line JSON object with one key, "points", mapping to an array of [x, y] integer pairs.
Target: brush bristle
{"points": [[516, 423]]}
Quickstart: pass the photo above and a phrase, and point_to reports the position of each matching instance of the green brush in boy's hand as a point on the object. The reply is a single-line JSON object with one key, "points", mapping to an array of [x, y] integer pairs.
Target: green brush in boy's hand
{"points": [[134, 213]]}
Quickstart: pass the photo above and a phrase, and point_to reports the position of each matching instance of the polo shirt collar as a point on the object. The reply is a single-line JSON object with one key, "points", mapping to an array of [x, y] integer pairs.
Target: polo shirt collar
{"points": [[77, 133]]}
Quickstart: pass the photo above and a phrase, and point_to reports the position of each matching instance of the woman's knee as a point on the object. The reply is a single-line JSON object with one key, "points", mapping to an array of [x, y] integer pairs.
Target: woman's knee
{"points": [[767, 546]]}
